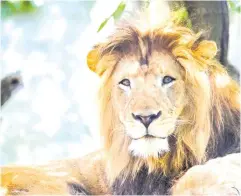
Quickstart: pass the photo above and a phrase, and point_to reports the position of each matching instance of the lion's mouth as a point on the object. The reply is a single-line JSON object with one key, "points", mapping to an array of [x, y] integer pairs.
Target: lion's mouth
{"points": [[148, 136], [149, 146]]}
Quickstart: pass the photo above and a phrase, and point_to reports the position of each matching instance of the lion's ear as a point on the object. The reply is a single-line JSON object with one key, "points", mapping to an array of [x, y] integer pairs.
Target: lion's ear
{"points": [[206, 49], [93, 59]]}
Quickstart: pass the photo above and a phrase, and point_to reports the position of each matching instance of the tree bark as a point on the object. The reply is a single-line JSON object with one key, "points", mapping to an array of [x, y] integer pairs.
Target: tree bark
{"points": [[213, 17]]}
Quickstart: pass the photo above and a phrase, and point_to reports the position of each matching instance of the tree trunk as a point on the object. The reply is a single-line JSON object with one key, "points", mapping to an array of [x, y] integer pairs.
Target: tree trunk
{"points": [[213, 17]]}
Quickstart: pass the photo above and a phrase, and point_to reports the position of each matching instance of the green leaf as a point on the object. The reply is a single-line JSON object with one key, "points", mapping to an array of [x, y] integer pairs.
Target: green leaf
{"points": [[235, 6], [231, 5], [118, 12], [238, 9], [9, 8], [116, 15], [103, 24]]}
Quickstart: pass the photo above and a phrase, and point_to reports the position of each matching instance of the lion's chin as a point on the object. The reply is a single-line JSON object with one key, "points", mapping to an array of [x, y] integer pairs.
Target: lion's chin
{"points": [[149, 147]]}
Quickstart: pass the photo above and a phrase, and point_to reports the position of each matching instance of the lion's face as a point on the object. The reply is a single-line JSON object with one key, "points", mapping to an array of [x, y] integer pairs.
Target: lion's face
{"points": [[149, 100]]}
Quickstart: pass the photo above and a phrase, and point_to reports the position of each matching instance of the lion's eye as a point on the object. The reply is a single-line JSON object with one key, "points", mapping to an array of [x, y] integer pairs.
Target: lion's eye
{"points": [[167, 80], [125, 82]]}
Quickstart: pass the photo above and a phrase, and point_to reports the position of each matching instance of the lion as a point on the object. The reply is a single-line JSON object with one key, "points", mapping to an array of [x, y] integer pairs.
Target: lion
{"points": [[166, 105]]}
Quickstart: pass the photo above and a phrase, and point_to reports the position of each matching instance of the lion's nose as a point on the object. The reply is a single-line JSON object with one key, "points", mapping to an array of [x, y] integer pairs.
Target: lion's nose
{"points": [[146, 120]]}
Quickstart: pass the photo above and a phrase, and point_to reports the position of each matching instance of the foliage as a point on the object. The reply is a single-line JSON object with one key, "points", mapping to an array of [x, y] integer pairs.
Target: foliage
{"points": [[180, 16], [10, 8], [235, 6], [116, 15]]}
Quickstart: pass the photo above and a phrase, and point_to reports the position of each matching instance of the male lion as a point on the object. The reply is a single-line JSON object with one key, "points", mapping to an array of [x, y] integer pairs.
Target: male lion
{"points": [[166, 105]]}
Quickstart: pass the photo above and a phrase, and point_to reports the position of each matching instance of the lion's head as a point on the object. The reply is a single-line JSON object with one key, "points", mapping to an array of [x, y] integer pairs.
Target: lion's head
{"points": [[162, 90]]}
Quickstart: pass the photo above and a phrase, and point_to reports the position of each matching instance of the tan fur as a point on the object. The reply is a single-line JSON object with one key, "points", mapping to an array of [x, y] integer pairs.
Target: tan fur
{"points": [[53, 177], [191, 100], [217, 177]]}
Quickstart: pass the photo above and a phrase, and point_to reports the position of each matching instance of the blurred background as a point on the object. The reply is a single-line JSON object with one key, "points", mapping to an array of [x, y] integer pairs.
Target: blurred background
{"points": [[54, 115]]}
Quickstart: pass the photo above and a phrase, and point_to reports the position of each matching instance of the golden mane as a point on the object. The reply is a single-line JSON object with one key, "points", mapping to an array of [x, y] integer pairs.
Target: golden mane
{"points": [[214, 107]]}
